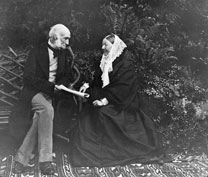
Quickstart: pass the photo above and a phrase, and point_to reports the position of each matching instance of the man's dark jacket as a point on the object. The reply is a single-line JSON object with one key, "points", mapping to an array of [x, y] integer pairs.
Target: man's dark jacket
{"points": [[36, 75]]}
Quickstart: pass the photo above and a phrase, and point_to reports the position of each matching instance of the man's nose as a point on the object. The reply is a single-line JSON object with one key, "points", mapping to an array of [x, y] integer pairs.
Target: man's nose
{"points": [[103, 47], [67, 41]]}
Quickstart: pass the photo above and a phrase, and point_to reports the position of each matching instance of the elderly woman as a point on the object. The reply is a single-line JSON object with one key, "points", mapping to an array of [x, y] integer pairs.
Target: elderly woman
{"points": [[112, 130]]}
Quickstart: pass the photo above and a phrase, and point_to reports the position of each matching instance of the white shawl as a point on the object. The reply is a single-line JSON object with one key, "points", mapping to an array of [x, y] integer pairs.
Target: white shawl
{"points": [[106, 61]]}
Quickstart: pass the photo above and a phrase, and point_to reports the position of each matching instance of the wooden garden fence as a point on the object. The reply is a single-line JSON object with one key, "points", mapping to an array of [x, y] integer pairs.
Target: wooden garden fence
{"points": [[11, 74]]}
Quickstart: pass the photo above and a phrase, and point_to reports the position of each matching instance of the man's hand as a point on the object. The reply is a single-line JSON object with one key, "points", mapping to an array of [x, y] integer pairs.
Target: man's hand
{"points": [[57, 88]]}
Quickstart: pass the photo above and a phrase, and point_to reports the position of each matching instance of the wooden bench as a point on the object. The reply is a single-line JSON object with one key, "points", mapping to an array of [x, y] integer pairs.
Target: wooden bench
{"points": [[4, 117]]}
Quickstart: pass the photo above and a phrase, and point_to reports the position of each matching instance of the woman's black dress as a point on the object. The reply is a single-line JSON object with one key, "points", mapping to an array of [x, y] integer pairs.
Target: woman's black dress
{"points": [[118, 133]]}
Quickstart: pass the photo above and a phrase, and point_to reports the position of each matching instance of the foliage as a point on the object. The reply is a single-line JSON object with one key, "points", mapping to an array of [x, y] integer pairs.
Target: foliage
{"points": [[87, 62]]}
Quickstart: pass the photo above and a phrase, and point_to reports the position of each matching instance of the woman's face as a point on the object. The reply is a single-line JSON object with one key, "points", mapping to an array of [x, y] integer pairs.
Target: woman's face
{"points": [[106, 46]]}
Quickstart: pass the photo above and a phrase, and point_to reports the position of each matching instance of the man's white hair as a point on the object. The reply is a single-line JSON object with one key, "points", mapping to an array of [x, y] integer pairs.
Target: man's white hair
{"points": [[59, 30]]}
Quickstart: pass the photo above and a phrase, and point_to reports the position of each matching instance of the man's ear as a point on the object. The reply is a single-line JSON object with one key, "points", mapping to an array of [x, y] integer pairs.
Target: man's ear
{"points": [[53, 38]]}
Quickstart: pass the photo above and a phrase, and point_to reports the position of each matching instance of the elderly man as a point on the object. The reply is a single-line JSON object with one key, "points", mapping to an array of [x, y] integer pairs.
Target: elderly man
{"points": [[46, 68]]}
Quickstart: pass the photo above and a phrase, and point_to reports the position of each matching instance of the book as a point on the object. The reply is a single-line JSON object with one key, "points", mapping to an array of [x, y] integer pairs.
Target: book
{"points": [[81, 94]]}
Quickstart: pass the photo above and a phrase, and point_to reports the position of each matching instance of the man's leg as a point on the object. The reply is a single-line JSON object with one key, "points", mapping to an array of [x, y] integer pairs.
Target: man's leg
{"points": [[40, 107], [45, 132], [25, 151], [43, 105], [43, 128]]}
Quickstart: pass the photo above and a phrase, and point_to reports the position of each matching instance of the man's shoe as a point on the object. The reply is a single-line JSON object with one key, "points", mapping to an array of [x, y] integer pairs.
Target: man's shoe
{"points": [[47, 168], [18, 168]]}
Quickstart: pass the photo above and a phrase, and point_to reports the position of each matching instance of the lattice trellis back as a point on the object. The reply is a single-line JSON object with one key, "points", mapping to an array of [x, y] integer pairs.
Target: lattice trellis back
{"points": [[11, 72]]}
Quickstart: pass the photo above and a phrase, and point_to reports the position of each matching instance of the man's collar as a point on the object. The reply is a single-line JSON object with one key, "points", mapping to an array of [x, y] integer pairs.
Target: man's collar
{"points": [[55, 51]]}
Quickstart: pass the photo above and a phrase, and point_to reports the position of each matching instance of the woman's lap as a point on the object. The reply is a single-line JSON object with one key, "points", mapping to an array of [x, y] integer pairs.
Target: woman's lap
{"points": [[105, 136]]}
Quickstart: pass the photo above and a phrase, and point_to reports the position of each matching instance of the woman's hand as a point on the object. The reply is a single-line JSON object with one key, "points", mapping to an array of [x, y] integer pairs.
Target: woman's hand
{"points": [[101, 102], [97, 103], [84, 87]]}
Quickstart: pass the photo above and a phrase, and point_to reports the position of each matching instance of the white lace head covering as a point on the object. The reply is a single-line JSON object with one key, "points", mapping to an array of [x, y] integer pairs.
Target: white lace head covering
{"points": [[107, 60]]}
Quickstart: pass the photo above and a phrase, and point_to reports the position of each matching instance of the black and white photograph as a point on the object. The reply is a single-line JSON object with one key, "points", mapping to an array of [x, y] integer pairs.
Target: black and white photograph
{"points": [[103, 88]]}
